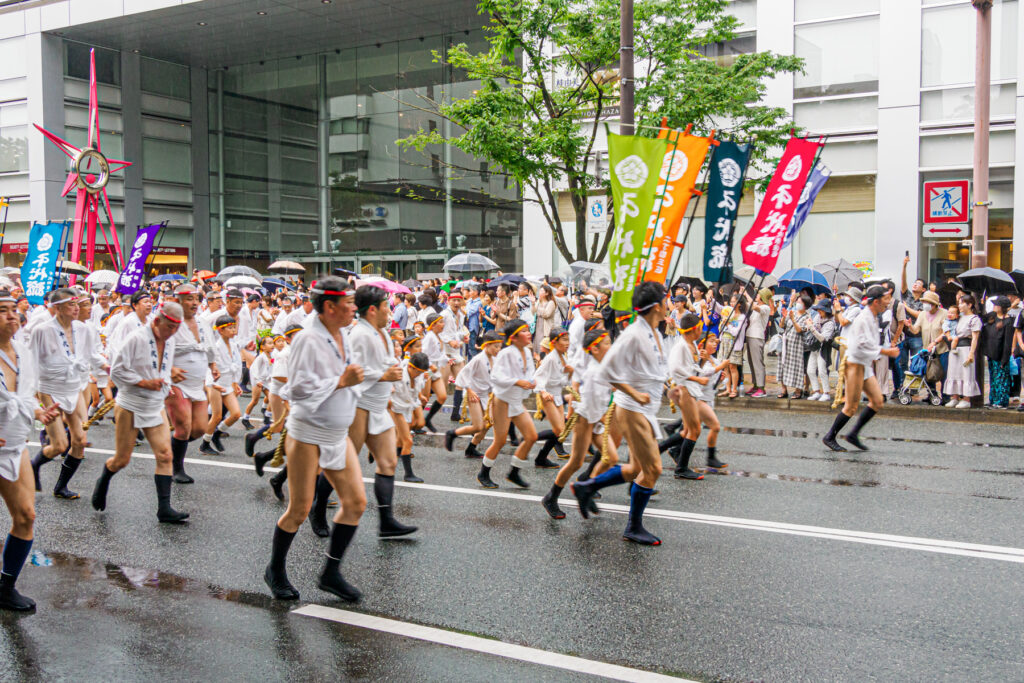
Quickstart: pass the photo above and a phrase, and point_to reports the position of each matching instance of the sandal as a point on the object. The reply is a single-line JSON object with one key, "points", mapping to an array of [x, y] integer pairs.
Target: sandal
{"points": [[733, 394]]}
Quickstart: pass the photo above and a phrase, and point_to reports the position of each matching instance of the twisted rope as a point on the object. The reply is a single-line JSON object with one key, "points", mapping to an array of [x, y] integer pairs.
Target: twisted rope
{"points": [[574, 417], [278, 458], [841, 383], [98, 415], [606, 420]]}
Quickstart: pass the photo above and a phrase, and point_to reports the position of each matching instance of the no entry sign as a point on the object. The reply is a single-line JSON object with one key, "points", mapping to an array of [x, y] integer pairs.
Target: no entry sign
{"points": [[945, 201]]}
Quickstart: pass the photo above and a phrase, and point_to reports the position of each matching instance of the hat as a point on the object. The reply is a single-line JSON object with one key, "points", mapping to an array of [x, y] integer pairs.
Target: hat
{"points": [[931, 298], [875, 292], [1001, 301], [855, 292], [234, 294], [587, 300], [824, 305]]}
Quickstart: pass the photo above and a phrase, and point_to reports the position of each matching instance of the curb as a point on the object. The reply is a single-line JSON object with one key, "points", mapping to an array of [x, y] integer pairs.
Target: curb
{"points": [[1009, 416]]}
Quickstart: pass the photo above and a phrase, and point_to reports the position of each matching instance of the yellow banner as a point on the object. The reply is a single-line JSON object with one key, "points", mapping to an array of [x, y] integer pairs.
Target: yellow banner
{"points": [[677, 180]]}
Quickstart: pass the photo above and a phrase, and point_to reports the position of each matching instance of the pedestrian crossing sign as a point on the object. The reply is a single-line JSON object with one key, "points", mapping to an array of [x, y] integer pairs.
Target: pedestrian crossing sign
{"points": [[946, 201]]}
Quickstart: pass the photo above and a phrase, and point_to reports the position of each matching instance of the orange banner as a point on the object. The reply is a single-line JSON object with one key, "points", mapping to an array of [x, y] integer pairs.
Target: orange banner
{"points": [[677, 178]]}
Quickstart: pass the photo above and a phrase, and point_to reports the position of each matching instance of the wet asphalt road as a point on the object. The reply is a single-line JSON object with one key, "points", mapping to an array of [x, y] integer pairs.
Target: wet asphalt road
{"points": [[122, 597]]}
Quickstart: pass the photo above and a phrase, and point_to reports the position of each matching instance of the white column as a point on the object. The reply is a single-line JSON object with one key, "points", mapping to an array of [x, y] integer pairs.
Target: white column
{"points": [[47, 165], [897, 211], [1018, 175]]}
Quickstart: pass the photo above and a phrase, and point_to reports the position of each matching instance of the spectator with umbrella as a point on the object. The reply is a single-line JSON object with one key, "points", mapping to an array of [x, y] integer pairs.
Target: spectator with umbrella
{"points": [[998, 343]]}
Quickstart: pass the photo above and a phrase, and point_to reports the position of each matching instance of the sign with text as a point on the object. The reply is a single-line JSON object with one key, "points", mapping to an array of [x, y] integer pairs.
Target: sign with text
{"points": [[946, 201], [131, 277], [725, 190], [947, 231]]}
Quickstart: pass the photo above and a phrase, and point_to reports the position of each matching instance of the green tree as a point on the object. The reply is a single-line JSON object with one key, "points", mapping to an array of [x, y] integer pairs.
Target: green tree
{"points": [[550, 77]]}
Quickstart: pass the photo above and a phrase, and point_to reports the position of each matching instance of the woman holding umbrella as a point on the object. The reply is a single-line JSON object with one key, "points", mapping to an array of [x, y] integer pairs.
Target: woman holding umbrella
{"points": [[998, 340]]}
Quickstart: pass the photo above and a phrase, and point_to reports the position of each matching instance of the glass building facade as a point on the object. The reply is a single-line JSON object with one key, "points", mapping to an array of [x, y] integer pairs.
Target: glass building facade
{"points": [[304, 164]]}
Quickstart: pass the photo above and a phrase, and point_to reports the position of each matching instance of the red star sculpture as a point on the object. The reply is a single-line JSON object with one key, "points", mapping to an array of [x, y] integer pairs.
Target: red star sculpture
{"points": [[90, 173]]}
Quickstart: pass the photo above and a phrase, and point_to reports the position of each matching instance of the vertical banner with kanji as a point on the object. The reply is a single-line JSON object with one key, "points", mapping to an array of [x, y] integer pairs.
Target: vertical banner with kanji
{"points": [[725, 188], [634, 165], [819, 176], [131, 277], [762, 244], [40, 267], [684, 157]]}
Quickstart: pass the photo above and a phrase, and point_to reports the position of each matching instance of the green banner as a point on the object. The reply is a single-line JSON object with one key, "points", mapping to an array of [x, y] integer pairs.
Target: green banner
{"points": [[635, 163]]}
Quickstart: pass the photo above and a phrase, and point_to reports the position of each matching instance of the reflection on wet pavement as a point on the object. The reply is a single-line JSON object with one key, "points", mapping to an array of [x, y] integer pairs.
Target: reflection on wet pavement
{"points": [[815, 435]]}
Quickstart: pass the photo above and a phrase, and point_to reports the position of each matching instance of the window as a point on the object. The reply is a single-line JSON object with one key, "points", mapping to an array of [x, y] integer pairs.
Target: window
{"points": [[745, 11], [957, 104], [166, 161], [957, 150], [845, 114], [948, 44], [809, 10], [841, 57], [164, 78], [13, 149], [724, 52], [76, 63], [350, 126], [846, 157]]}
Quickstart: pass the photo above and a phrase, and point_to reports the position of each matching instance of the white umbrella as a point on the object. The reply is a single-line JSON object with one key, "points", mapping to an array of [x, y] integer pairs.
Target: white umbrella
{"points": [[242, 281], [232, 271], [470, 263], [102, 277], [747, 274], [7, 282]]}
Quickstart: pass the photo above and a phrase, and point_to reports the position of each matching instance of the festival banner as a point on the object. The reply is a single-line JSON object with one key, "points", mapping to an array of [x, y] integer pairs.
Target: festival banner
{"points": [[676, 181], [634, 179], [819, 176], [40, 267], [725, 188], [762, 244], [131, 277]]}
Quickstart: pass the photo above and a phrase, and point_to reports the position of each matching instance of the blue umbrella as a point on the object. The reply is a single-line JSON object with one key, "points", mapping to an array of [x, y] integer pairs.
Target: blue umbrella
{"points": [[798, 278], [273, 284], [169, 277]]}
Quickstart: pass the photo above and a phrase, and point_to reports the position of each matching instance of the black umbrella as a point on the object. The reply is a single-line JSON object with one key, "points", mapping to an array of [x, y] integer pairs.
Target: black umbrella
{"points": [[345, 272], [510, 279], [987, 281], [1018, 278]]}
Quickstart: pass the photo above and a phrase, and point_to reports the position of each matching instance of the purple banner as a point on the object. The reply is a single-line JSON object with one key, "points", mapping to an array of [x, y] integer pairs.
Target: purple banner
{"points": [[134, 272]]}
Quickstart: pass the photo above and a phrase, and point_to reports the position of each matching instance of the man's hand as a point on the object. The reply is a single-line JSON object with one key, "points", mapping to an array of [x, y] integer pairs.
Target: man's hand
{"points": [[177, 374], [352, 376], [392, 374], [47, 415], [155, 384], [640, 397], [906, 261], [523, 384], [237, 389], [214, 371]]}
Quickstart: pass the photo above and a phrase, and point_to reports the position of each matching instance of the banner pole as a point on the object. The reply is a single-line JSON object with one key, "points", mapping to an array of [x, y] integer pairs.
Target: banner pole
{"points": [[6, 203], [61, 255], [156, 246], [661, 203]]}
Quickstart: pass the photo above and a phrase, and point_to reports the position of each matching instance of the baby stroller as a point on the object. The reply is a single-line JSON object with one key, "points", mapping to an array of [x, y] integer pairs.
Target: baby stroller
{"points": [[914, 380]]}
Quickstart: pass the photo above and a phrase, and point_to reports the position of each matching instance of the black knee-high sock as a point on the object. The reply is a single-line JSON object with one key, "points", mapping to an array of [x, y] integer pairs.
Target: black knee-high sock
{"points": [[178, 449], [435, 407], [674, 426], [320, 498], [383, 490], [865, 416], [837, 426], [670, 442], [684, 455], [279, 550], [280, 477], [546, 434], [15, 553], [456, 404], [512, 431], [67, 470], [341, 536]]}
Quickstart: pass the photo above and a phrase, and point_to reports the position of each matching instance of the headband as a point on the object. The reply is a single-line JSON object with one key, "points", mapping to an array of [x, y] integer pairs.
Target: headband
{"points": [[594, 343], [561, 334], [518, 330], [644, 308], [692, 327], [408, 342], [329, 292], [176, 321], [623, 317], [8, 298], [289, 333], [438, 319], [217, 327], [65, 300], [492, 341]]}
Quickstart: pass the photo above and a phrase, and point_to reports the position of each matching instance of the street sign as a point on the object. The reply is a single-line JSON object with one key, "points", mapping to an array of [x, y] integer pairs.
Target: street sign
{"points": [[946, 201], [946, 231], [597, 215]]}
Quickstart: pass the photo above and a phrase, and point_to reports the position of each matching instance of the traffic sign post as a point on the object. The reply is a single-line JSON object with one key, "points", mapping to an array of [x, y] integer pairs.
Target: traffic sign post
{"points": [[946, 201]]}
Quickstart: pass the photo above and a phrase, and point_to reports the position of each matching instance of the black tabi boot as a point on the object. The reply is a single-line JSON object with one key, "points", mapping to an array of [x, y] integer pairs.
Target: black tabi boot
{"points": [[67, 470], [277, 482], [673, 427], [472, 451], [384, 490], [512, 437], [457, 405], [560, 450], [434, 408], [449, 440], [16, 551], [38, 460], [837, 426], [542, 461], [484, 477], [318, 513], [215, 440], [853, 437], [714, 462], [410, 476], [516, 477], [178, 449], [99, 493], [331, 579], [275, 575], [635, 531], [670, 443], [683, 470], [252, 439], [550, 502], [164, 512], [245, 423], [259, 460]]}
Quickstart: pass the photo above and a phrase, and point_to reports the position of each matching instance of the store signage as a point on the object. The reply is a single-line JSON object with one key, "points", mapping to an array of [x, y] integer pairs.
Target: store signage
{"points": [[946, 201], [947, 231]]}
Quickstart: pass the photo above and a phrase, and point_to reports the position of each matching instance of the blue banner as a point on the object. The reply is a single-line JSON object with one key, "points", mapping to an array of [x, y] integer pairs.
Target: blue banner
{"points": [[40, 267], [819, 176]]}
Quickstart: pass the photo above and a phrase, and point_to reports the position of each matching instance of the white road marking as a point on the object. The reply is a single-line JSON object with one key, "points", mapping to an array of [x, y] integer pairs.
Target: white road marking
{"points": [[497, 648], [976, 550]]}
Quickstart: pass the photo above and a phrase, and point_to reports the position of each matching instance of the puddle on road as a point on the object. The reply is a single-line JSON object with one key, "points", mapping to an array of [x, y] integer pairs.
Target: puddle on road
{"points": [[868, 484], [795, 434], [834, 458]]}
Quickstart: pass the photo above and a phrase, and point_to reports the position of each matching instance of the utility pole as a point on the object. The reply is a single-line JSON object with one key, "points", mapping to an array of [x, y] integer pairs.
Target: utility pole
{"points": [[982, 107], [626, 67]]}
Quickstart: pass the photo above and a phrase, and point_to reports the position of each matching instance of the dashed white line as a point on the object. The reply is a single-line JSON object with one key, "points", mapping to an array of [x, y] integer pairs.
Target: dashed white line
{"points": [[941, 546], [497, 648]]}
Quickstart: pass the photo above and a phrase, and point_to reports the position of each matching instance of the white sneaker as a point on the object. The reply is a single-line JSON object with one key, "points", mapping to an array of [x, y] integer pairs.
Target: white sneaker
{"points": [[952, 404], [825, 398], [814, 397], [963, 404]]}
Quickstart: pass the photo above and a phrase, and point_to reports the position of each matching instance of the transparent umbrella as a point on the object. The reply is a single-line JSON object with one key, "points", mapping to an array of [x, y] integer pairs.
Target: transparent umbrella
{"points": [[232, 271], [840, 273], [470, 263]]}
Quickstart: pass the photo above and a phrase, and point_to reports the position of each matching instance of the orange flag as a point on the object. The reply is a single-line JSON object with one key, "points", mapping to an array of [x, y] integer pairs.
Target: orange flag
{"points": [[677, 180]]}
